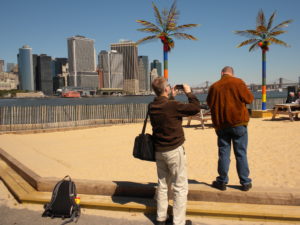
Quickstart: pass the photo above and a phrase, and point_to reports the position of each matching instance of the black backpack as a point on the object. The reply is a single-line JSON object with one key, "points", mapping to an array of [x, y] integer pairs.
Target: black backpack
{"points": [[62, 202]]}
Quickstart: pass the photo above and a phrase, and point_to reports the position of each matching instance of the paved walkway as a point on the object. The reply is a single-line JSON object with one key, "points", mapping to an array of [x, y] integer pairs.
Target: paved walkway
{"points": [[25, 193], [14, 213]]}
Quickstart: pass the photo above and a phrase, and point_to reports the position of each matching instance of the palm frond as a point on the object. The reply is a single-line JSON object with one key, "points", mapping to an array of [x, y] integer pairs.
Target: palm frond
{"points": [[158, 17], [147, 24], [184, 36], [261, 29], [277, 41], [281, 25], [146, 39], [275, 33], [165, 17], [271, 20], [260, 19], [248, 33], [254, 46], [247, 42], [150, 30], [171, 20], [264, 33], [185, 26]]}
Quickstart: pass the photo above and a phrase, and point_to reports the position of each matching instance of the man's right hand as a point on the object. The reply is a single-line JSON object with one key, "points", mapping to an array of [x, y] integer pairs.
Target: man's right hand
{"points": [[186, 88]]}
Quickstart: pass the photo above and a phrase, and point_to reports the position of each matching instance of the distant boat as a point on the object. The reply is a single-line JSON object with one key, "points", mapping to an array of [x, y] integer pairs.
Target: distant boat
{"points": [[71, 94]]}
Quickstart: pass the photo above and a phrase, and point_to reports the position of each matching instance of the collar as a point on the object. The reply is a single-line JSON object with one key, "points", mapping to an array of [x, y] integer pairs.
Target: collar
{"points": [[226, 76], [161, 98]]}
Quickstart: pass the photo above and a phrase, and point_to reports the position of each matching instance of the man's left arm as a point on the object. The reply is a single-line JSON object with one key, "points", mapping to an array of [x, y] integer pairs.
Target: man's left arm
{"points": [[245, 93], [189, 109]]}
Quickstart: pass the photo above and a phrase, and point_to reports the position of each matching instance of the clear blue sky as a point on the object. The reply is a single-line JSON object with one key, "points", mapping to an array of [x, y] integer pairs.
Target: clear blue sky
{"points": [[45, 26]]}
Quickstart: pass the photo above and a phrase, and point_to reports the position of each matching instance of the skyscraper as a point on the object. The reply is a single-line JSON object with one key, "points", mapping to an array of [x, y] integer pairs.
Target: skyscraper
{"points": [[1, 65], [26, 68], [111, 64], [153, 75], [130, 65], [157, 65], [44, 77], [10, 67], [143, 73], [61, 73], [82, 62]]}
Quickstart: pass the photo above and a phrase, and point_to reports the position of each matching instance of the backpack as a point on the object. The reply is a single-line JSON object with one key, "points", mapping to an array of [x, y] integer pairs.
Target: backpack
{"points": [[62, 202]]}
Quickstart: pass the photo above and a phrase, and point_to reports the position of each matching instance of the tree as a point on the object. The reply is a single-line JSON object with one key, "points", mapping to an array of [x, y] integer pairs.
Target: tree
{"points": [[263, 36], [165, 29]]}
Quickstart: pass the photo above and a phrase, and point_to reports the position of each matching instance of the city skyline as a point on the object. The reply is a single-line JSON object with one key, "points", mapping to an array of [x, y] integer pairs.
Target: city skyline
{"points": [[189, 62]]}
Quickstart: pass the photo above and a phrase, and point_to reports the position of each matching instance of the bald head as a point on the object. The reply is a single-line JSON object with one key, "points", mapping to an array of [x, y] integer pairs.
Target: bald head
{"points": [[227, 70]]}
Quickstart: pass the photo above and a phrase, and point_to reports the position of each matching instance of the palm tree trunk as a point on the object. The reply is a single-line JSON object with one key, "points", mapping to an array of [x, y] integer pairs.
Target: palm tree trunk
{"points": [[264, 87], [166, 75]]}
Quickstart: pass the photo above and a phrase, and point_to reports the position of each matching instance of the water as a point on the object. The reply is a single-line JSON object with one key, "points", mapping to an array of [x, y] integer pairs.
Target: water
{"points": [[108, 100]]}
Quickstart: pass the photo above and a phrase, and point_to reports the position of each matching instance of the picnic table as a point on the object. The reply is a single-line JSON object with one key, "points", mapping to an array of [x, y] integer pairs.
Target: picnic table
{"points": [[202, 116], [291, 109]]}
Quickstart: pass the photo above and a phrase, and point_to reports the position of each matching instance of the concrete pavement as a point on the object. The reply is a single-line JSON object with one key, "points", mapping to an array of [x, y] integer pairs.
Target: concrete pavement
{"points": [[19, 180]]}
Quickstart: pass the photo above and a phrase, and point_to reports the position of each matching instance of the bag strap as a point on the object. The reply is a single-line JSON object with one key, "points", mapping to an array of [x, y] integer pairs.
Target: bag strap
{"points": [[67, 178], [146, 119]]}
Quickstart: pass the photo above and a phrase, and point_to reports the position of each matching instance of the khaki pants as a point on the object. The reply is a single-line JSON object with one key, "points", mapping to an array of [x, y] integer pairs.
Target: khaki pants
{"points": [[171, 170]]}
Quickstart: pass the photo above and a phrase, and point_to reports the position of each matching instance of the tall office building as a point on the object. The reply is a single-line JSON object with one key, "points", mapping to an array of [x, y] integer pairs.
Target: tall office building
{"points": [[61, 66], [130, 65], [100, 78], [61, 71], [44, 74], [26, 68], [1, 65], [143, 73], [157, 65], [153, 75], [34, 66], [10, 67], [82, 62], [111, 64]]}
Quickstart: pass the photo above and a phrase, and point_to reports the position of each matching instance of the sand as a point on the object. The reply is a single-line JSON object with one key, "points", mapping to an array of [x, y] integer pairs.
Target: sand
{"points": [[105, 153]]}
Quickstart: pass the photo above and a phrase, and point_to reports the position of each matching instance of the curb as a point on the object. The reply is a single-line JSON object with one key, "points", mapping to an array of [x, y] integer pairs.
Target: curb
{"points": [[197, 191], [25, 193]]}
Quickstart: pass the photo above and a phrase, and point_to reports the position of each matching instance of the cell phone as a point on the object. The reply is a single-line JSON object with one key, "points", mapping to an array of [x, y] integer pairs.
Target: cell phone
{"points": [[179, 86]]}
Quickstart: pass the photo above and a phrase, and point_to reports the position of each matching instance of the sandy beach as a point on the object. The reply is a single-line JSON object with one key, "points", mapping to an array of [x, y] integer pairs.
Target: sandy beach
{"points": [[105, 153]]}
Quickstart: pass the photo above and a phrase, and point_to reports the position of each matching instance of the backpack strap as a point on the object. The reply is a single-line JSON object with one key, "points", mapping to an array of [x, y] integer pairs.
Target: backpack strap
{"points": [[75, 214], [48, 206], [65, 178]]}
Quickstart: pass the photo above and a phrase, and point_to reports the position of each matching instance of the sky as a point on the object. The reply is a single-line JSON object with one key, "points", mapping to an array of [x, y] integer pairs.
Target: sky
{"points": [[45, 25]]}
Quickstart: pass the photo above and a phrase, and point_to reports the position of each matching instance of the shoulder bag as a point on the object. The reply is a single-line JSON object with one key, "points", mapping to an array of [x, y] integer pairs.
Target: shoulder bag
{"points": [[143, 144]]}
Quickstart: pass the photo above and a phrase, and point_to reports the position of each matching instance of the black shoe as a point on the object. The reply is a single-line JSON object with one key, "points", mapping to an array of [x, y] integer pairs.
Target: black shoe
{"points": [[219, 185], [188, 222], [169, 220], [160, 223], [246, 187]]}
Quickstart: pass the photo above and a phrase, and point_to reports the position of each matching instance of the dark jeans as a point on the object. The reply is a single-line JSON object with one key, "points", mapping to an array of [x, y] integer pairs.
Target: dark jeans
{"points": [[239, 137]]}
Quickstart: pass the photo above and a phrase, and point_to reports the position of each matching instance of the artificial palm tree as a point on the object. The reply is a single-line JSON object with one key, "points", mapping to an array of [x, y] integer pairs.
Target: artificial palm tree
{"points": [[165, 29], [263, 36]]}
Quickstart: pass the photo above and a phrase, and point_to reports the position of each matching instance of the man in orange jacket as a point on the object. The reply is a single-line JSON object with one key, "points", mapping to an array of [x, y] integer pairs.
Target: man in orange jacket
{"points": [[227, 99]]}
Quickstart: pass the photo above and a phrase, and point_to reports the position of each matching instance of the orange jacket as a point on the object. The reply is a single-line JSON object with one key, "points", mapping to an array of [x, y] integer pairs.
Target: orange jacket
{"points": [[227, 99]]}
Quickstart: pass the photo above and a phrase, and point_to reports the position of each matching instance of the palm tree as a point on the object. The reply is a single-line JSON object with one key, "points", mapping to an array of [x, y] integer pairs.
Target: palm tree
{"points": [[263, 36], [165, 29]]}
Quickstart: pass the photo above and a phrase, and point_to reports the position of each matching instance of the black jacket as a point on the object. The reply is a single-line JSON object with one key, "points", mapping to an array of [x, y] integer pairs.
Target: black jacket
{"points": [[166, 120]]}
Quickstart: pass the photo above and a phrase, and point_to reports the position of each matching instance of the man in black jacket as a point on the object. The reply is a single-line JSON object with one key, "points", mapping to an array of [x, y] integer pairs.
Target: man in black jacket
{"points": [[166, 120]]}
